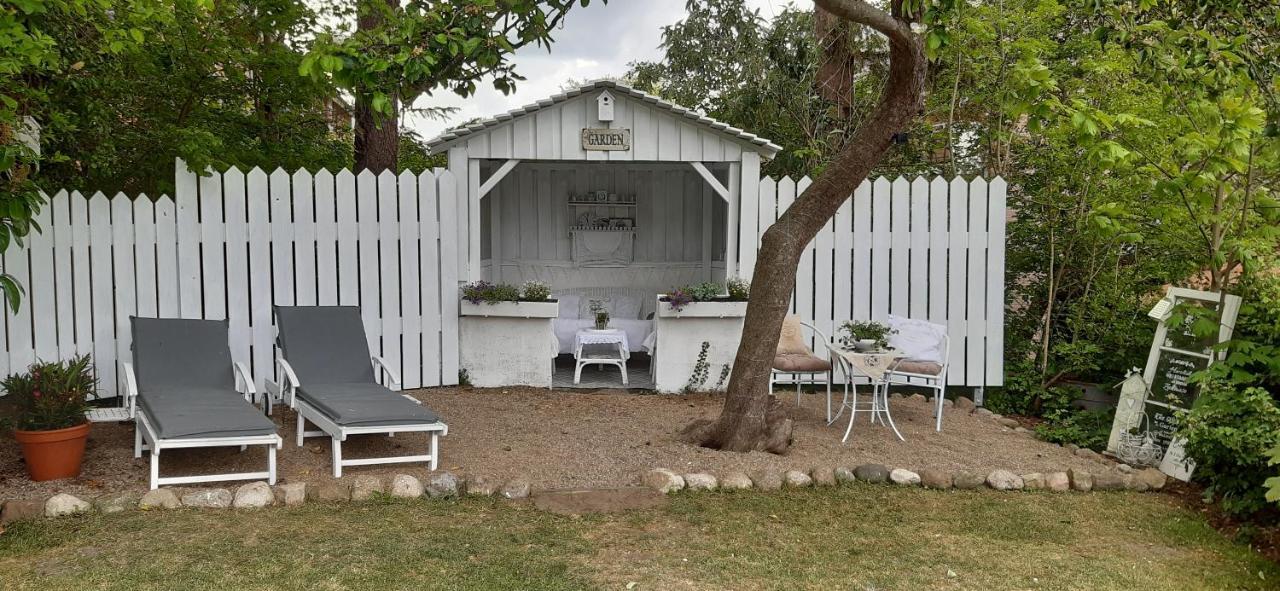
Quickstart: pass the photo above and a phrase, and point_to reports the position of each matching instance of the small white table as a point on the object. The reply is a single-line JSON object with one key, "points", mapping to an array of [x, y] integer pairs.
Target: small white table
{"points": [[873, 365], [612, 338]]}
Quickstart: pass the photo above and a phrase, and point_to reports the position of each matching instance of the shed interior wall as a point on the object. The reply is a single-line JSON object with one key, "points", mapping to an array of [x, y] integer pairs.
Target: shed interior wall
{"points": [[680, 224]]}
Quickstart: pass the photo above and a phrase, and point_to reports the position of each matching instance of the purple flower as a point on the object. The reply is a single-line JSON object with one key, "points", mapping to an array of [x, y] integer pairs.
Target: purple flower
{"points": [[678, 298]]}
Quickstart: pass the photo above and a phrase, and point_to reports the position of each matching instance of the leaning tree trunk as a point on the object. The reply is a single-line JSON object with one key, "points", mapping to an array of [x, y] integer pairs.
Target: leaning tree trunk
{"points": [[377, 142], [751, 419]]}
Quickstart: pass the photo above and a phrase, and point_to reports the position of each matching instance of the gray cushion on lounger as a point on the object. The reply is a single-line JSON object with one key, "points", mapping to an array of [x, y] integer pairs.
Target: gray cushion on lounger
{"points": [[200, 412], [186, 384], [327, 348], [365, 405], [169, 352], [325, 344]]}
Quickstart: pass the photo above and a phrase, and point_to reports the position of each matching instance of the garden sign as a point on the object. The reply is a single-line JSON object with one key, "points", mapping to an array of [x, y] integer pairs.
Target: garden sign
{"points": [[1148, 408]]}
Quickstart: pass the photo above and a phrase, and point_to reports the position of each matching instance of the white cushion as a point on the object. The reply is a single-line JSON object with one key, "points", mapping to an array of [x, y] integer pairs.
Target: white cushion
{"points": [[625, 307], [569, 305], [918, 340]]}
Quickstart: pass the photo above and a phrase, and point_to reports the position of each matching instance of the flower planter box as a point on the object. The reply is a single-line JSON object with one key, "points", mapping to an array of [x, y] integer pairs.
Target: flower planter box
{"points": [[713, 309], [507, 343], [548, 309], [680, 336]]}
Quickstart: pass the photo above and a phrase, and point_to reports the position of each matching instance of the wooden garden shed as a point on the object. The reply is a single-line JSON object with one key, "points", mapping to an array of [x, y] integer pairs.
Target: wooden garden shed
{"points": [[601, 186]]}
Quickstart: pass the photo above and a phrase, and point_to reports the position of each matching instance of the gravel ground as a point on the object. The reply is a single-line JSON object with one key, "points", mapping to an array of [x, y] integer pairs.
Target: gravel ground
{"points": [[561, 439]]}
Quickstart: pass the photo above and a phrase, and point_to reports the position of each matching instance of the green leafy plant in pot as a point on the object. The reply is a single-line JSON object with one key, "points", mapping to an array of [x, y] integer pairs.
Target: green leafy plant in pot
{"points": [[601, 313], [865, 336], [50, 422]]}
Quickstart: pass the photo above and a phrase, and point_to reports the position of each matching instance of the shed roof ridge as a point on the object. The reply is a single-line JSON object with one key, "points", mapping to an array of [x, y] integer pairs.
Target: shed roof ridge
{"points": [[461, 131]]}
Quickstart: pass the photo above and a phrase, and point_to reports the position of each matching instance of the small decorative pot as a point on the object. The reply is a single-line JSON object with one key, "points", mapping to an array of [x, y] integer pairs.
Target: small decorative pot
{"points": [[51, 455], [602, 320]]}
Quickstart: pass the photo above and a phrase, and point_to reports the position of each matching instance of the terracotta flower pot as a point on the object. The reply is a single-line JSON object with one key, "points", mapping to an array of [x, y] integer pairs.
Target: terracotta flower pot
{"points": [[51, 455]]}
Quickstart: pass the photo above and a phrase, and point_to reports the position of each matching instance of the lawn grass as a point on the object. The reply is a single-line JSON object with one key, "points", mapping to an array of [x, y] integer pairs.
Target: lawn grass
{"points": [[856, 537]]}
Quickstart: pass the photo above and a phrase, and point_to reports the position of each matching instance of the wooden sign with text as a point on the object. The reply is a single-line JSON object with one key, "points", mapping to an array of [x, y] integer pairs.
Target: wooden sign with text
{"points": [[608, 140]]}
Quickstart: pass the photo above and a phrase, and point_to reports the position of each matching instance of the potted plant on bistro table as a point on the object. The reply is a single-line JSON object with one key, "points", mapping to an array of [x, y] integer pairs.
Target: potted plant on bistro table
{"points": [[50, 422]]}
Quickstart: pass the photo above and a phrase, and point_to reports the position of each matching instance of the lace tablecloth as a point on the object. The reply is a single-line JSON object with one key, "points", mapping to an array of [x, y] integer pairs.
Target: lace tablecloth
{"points": [[872, 364], [591, 336]]}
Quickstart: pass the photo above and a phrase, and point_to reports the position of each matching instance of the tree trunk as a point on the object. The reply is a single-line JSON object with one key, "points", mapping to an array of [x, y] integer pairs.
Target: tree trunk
{"points": [[751, 419], [377, 145], [377, 142]]}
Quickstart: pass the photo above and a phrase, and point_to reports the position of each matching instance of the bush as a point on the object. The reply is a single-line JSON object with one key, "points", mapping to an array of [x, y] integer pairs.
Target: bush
{"points": [[739, 289], [1086, 428], [1230, 433], [1023, 394], [51, 396]]}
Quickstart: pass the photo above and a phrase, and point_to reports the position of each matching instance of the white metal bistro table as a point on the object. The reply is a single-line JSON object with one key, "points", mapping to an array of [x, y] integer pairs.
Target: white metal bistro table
{"points": [[873, 365], [605, 340]]}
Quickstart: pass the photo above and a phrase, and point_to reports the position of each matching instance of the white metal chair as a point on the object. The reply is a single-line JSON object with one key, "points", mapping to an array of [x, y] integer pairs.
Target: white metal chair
{"points": [[814, 375], [924, 374]]}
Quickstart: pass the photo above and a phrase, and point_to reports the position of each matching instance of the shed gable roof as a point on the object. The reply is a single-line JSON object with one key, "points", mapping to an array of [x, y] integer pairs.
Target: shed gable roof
{"points": [[457, 134]]}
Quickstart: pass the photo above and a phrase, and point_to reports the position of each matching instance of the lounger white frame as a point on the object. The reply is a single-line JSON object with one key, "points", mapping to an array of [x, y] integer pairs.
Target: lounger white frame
{"points": [[146, 438], [338, 433]]}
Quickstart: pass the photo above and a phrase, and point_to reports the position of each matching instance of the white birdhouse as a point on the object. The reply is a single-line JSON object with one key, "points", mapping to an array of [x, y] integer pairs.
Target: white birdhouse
{"points": [[604, 104]]}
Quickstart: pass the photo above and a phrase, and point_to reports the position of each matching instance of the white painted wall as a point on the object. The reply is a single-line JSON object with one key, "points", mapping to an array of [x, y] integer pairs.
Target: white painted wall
{"points": [[526, 220]]}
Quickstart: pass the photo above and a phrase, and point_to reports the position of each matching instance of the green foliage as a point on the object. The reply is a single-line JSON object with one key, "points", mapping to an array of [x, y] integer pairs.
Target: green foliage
{"points": [[1272, 484], [701, 370], [728, 62], [1088, 428], [30, 55], [420, 47], [215, 85], [51, 395], [477, 292], [706, 291], [1025, 394], [1230, 433], [856, 330]]}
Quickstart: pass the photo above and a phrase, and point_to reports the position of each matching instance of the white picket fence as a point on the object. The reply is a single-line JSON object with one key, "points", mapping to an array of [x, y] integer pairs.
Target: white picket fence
{"points": [[928, 249], [230, 245]]}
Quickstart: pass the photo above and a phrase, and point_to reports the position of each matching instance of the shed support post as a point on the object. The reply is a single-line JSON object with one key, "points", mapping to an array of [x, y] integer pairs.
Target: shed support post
{"points": [[731, 220], [748, 212], [473, 217], [458, 159]]}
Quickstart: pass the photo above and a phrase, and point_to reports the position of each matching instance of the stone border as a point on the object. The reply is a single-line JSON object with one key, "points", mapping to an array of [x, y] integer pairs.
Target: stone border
{"points": [[256, 495], [1149, 479]]}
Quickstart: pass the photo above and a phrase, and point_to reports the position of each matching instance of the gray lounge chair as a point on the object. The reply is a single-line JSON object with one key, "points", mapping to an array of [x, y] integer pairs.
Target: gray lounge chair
{"points": [[187, 392], [327, 375]]}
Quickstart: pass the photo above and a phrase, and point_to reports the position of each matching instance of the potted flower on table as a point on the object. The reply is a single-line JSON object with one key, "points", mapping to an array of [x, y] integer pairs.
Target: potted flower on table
{"points": [[50, 422]]}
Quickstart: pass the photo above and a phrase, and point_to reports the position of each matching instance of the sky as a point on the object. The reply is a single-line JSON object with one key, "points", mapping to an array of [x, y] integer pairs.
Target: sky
{"points": [[595, 42]]}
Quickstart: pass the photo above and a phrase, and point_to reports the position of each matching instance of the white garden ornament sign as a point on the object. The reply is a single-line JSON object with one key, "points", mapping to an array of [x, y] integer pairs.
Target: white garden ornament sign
{"points": [[1148, 410]]}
